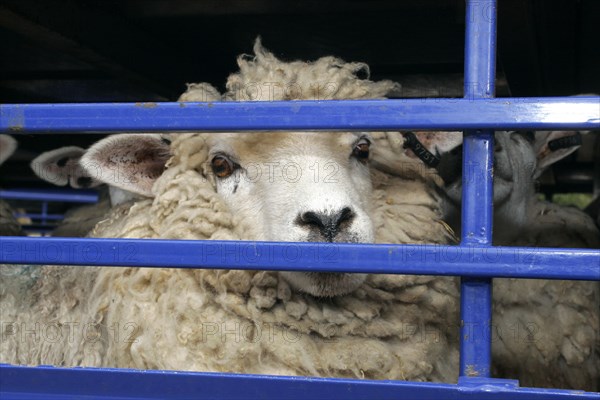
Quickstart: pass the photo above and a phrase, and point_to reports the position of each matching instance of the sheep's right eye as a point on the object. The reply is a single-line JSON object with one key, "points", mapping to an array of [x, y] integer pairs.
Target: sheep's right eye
{"points": [[361, 150], [223, 166]]}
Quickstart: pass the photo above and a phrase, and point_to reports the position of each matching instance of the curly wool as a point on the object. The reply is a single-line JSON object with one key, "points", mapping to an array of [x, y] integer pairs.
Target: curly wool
{"points": [[551, 327], [263, 77]]}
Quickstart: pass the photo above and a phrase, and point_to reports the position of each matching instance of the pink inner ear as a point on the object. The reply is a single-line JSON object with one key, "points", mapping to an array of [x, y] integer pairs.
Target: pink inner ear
{"points": [[131, 162]]}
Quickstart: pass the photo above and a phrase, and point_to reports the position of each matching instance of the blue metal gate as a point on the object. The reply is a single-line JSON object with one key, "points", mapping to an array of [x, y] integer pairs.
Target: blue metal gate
{"points": [[478, 114]]}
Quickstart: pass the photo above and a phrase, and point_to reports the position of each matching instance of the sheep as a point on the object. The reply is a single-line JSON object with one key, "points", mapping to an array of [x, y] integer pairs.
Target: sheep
{"points": [[389, 327], [8, 224], [8, 145], [62, 167], [547, 330]]}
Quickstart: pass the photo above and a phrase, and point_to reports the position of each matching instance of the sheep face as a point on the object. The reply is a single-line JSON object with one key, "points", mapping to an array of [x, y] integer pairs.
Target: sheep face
{"points": [[519, 158], [309, 186], [514, 167]]}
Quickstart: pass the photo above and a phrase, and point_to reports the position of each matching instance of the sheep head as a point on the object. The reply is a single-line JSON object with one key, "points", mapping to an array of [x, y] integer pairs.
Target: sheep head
{"points": [[274, 186], [519, 159]]}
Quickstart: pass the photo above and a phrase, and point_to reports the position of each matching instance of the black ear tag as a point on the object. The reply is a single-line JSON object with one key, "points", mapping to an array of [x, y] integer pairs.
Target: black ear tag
{"points": [[417, 147], [565, 142]]}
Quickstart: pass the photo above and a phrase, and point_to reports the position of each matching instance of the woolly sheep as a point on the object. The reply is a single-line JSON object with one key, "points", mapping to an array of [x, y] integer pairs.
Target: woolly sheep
{"points": [[548, 331], [390, 327], [8, 224]]}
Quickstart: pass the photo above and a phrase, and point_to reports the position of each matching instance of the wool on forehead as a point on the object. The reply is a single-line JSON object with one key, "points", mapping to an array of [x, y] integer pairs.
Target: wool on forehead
{"points": [[263, 77]]}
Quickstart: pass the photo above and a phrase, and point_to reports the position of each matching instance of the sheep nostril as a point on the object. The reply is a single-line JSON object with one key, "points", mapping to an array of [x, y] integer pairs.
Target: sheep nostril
{"points": [[346, 215], [327, 224], [313, 218]]}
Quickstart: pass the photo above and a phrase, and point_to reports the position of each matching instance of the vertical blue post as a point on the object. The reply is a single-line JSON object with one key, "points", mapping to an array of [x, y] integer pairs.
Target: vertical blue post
{"points": [[476, 294], [44, 212]]}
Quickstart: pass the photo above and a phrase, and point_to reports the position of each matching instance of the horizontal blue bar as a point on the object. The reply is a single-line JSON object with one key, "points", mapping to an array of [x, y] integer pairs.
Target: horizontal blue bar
{"points": [[437, 114], [41, 216], [468, 261], [65, 195], [77, 383]]}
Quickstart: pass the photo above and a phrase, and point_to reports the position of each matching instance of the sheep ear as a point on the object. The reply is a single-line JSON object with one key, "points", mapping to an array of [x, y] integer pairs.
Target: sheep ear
{"points": [[131, 162], [8, 145], [59, 166], [552, 146]]}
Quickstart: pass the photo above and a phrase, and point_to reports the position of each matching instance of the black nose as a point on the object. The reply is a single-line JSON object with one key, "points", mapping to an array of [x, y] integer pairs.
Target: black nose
{"points": [[327, 225], [84, 181]]}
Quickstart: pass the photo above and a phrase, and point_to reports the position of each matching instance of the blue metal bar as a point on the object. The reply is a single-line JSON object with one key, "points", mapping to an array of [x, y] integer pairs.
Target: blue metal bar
{"points": [[477, 194], [476, 293], [64, 195], [437, 114], [58, 383], [44, 212], [473, 261], [39, 216], [478, 158]]}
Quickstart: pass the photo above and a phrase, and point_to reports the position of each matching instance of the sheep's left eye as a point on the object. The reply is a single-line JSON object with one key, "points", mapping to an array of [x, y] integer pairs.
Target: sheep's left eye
{"points": [[361, 150]]}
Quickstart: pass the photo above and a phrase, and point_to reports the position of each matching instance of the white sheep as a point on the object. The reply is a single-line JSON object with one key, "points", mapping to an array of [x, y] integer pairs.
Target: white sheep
{"points": [[389, 327], [8, 145], [547, 330], [62, 167], [9, 226]]}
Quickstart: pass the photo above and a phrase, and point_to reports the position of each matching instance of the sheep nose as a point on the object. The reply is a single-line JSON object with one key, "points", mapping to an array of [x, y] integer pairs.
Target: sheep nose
{"points": [[328, 225]]}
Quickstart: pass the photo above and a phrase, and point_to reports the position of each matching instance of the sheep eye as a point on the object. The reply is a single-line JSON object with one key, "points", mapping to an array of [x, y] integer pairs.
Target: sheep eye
{"points": [[223, 166], [361, 150]]}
